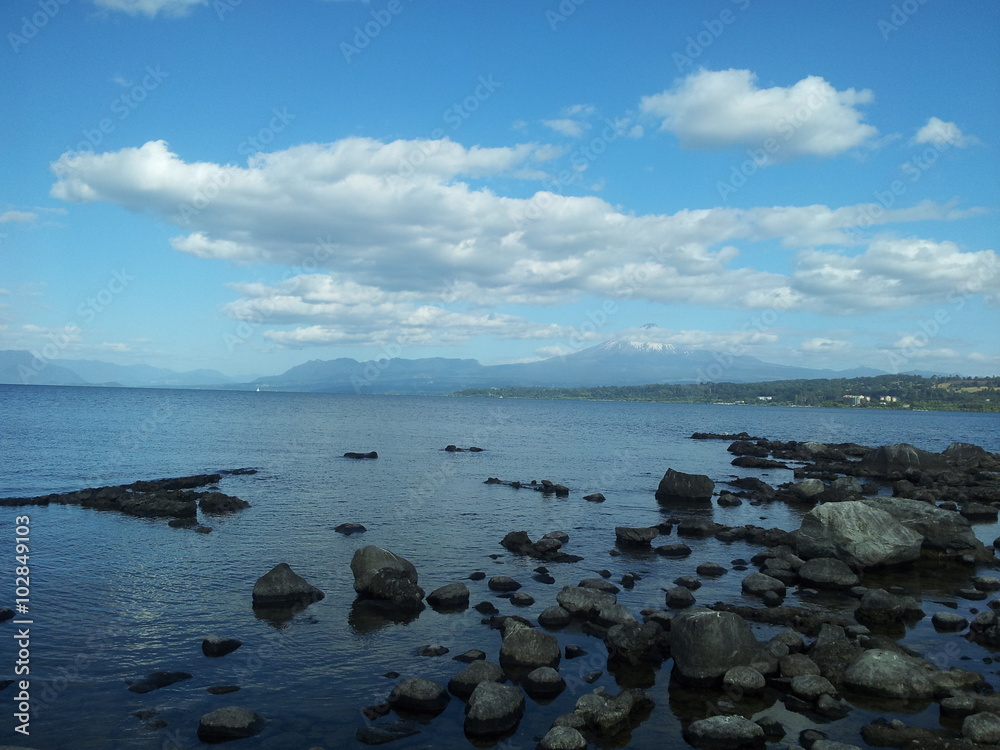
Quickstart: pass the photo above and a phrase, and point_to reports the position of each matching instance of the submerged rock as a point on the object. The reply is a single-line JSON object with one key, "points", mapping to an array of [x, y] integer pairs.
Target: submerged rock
{"points": [[215, 646], [158, 680], [229, 723]]}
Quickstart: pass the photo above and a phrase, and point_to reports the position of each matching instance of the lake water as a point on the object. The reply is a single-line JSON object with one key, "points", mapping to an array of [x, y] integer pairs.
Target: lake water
{"points": [[115, 598]]}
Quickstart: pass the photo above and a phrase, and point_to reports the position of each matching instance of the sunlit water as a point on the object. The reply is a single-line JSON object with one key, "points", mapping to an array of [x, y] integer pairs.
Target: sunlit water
{"points": [[115, 598]]}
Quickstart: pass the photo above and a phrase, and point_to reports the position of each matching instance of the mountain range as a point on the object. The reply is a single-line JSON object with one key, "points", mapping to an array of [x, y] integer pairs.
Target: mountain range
{"points": [[614, 362]]}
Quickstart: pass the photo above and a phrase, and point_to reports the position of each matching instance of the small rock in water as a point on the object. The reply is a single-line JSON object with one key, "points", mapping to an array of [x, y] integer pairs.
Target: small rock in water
{"points": [[477, 576], [223, 689], [350, 528], [432, 649], [158, 680], [486, 608], [470, 656], [503, 583], [595, 497], [229, 723], [215, 646], [593, 677]]}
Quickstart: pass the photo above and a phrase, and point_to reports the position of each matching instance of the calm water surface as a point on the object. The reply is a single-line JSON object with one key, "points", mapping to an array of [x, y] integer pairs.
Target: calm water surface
{"points": [[116, 598]]}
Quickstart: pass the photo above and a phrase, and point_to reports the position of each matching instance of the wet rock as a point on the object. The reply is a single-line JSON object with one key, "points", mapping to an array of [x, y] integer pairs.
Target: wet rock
{"points": [[386, 577], [470, 656], [525, 647], [608, 716], [520, 599], [808, 488], [486, 608], [740, 681], [573, 651], [985, 629], [677, 486], [878, 606], [356, 454], [857, 534], [215, 503], [706, 644], [215, 646], [562, 738], [697, 527], [688, 582], [986, 583], [493, 709], [384, 733], [549, 549], [710, 570], [827, 573], [451, 596], [229, 723], [503, 583], [594, 497], [584, 603], [978, 513], [982, 728], [543, 683], [629, 536], [432, 649], [600, 584], [888, 674], [773, 729], [796, 665], [679, 597], [727, 500], [158, 680], [554, 617], [809, 687], [759, 584], [900, 459], [463, 683], [635, 644], [724, 733], [418, 695], [222, 689], [350, 528]]}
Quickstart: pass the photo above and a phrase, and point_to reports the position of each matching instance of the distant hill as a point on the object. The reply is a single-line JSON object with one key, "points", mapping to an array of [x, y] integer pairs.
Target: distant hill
{"points": [[21, 367]]}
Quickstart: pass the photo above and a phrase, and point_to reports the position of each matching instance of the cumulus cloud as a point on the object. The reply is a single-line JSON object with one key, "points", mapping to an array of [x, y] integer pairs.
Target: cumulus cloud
{"points": [[567, 127], [724, 109], [397, 227], [940, 133], [151, 8]]}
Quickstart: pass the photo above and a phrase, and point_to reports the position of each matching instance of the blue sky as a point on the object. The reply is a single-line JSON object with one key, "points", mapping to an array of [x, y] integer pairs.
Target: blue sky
{"points": [[249, 185]]}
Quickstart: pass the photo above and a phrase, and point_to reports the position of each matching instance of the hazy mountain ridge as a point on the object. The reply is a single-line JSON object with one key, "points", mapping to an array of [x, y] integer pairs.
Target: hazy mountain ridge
{"points": [[22, 367]]}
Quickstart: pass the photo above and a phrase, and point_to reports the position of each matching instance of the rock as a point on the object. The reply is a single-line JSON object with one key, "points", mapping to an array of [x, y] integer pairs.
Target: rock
{"points": [[520, 599], [222, 689], [677, 486], [595, 497], [217, 502], [526, 647], [350, 528], [809, 687], [724, 733], [986, 583], [758, 584], [978, 513], [355, 454], [706, 644], [982, 728], [418, 695], [831, 745], [384, 733], [949, 622], [808, 488], [520, 543], [679, 597], [503, 583], [968, 456], [486, 608], [608, 716], [888, 674], [688, 582], [432, 649], [740, 681], [673, 550], [470, 656], [554, 617], [215, 646], [584, 603], [451, 596], [628, 536], [158, 680], [544, 683], [710, 570], [600, 584], [493, 709], [727, 500], [229, 723], [857, 534], [697, 527], [384, 576], [562, 738], [635, 644], [900, 458], [827, 573], [878, 606], [773, 729], [463, 683]]}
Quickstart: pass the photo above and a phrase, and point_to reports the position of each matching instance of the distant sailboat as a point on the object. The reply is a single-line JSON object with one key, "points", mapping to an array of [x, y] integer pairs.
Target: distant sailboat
{"points": [[258, 389]]}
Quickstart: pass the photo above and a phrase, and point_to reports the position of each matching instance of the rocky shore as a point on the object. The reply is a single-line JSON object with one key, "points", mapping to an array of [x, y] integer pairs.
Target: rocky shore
{"points": [[866, 513]]}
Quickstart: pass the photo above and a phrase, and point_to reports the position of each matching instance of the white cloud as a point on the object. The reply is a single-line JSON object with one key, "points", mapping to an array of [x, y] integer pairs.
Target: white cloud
{"points": [[824, 345], [151, 8], [567, 127], [18, 216], [420, 236], [940, 133], [578, 110], [725, 109]]}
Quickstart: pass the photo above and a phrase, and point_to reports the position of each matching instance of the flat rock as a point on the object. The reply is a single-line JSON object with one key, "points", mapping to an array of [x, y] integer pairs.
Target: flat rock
{"points": [[229, 723], [724, 733], [158, 680], [888, 674]]}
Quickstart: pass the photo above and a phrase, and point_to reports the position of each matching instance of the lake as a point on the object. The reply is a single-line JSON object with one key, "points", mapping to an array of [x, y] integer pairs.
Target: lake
{"points": [[114, 598]]}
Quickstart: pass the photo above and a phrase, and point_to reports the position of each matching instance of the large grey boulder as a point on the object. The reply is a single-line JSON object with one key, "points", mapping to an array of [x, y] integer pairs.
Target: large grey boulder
{"points": [[585, 603], [901, 458], [828, 573], [386, 577], [942, 530], [706, 644], [493, 709], [857, 534], [282, 586], [419, 695], [229, 723], [676, 486], [887, 674], [463, 683], [724, 733], [528, 648], [982, 728], [451, 596]]}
